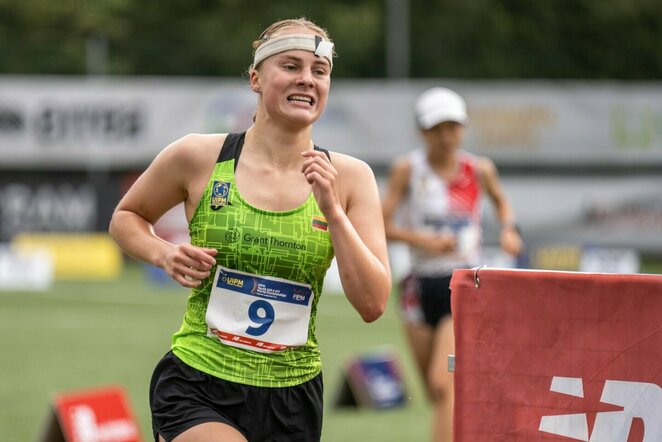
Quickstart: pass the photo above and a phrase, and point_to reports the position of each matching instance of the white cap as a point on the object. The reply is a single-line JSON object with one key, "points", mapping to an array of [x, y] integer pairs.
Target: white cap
{"points": [[439, 104]]}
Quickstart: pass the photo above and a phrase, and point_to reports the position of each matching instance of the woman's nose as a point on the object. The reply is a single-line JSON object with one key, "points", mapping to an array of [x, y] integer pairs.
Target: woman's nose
{"points": [[306, 78]]}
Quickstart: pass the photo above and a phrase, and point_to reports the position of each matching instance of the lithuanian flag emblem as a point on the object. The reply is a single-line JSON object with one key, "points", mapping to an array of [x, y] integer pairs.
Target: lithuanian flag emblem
{"points": [[319, 222]]}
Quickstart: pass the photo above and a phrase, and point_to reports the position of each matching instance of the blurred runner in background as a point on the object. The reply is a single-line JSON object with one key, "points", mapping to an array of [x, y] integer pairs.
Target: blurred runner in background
{"points": [[437, 190]]}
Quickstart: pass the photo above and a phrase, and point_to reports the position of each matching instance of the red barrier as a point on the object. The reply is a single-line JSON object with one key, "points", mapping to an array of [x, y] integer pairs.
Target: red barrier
{"points": [[96, 415], [557, 356]]}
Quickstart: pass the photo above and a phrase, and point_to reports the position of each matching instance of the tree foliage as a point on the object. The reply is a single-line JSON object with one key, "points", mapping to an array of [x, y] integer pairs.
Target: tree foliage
{"points": [[579, 39]]}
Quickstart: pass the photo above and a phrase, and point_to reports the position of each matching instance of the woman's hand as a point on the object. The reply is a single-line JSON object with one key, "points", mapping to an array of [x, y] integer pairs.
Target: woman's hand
{"points": [[438, 244], [511, 241], [322, 176], [188, 265]]}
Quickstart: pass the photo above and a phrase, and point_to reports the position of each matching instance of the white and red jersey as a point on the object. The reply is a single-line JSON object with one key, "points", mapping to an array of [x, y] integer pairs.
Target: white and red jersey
{"points": [[439, 205]]}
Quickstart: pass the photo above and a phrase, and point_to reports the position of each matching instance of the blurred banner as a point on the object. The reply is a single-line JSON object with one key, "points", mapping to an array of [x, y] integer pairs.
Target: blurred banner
{"points": [[70, 146], [611, 211], [65, 122], [557, 355], [615, 211], [31, 270], [53, 201], [75, 256], [108, 124]]}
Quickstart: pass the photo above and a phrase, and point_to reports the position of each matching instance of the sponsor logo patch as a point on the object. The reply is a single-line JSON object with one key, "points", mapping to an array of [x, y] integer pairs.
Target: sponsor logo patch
{"points": [[220, 194]]}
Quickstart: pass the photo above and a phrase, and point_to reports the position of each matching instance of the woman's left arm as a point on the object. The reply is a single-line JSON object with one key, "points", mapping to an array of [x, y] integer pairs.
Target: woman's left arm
{"points": [[511, 240], [346, 192]]}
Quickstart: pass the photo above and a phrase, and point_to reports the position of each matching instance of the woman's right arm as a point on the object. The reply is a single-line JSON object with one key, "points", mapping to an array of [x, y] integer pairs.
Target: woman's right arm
{"points": [[163, 185]]}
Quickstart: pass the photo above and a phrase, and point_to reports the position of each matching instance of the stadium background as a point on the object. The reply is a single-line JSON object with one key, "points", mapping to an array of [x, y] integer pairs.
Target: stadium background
{"points": [[565, 97]]}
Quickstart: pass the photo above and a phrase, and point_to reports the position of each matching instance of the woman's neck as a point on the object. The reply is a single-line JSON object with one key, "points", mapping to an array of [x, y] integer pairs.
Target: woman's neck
{"points": [[278, 146], [443, 163]]}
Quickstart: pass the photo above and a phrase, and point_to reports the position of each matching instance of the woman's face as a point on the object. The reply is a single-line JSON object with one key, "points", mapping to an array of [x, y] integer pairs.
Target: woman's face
{"points": [[444, 137], [294, 85]]}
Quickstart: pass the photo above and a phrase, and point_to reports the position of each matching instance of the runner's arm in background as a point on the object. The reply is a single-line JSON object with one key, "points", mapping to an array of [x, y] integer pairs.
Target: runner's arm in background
{"points": [[510, 238]]}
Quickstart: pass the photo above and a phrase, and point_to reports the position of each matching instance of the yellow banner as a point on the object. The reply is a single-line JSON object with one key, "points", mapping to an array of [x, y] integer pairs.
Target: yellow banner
{"points": [[76, 255]]}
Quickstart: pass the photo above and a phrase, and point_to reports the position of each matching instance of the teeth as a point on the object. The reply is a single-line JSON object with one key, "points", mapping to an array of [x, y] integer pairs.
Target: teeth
{"points": [[300, 98]]}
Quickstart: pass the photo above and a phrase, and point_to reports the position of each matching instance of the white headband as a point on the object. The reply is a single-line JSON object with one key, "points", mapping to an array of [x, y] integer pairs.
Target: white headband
{"points": [[288, 42]]}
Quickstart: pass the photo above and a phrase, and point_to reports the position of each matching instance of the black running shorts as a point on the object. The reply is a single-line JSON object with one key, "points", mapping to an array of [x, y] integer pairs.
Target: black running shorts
{"points": [[182, 397], [425, 300]]}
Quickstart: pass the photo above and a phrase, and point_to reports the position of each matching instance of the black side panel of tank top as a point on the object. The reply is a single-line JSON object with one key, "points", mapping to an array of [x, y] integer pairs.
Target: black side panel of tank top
{"points": [[326, 152], [232, 148], [233, 144]]}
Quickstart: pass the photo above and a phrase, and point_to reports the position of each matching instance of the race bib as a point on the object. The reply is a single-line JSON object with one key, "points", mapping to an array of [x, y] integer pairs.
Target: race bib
{"points": [[258, 313], [468, 239]]}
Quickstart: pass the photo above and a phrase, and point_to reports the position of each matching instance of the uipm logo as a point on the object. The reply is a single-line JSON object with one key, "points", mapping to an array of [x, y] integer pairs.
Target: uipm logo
{"points": [[638, 399]]}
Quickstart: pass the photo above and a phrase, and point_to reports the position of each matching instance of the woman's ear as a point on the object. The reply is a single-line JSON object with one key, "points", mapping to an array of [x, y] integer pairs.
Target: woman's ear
{"points": [[254, 81]]}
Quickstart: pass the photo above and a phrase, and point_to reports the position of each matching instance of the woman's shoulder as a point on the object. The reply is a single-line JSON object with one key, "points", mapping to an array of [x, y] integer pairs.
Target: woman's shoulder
{"points": [[347, 164], [191, 152], [483, 165], [195, 144], [198, 140]]}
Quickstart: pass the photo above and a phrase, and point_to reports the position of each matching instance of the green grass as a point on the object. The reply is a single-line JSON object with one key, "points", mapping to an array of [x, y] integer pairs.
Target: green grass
{"points": [[651, 265], [81, 335]]}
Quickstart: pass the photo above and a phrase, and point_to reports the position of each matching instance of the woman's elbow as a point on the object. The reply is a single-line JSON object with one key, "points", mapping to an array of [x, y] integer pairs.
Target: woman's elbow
{"points": [[372, 315], [112, 227], [374, 311], [116, 226]]}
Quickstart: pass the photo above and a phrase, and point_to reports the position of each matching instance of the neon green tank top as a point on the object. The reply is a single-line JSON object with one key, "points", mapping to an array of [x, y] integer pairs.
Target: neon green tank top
{"points": [[294, 246]]}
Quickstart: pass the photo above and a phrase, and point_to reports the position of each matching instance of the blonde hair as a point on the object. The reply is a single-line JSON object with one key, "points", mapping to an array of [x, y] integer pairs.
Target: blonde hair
{"points": [[277, 27]]}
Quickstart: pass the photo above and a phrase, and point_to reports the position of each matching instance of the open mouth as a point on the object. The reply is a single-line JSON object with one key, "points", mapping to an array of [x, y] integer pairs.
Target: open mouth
{"points": [[301, 99]]}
